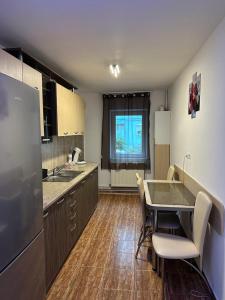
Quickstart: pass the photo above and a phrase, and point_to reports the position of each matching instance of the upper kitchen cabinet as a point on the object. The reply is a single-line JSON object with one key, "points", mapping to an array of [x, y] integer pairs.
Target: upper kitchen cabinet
{"points": [[70, 110], [80, 115], [10, 66], [33, 78], [65, 111]]}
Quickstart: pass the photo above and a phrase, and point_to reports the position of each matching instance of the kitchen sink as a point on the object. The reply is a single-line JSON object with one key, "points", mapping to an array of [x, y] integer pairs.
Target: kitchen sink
{"points": [[63, 176]]}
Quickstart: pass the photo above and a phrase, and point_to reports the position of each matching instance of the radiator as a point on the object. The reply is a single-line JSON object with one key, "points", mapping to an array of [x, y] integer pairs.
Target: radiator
{"points": [[125, 178]]}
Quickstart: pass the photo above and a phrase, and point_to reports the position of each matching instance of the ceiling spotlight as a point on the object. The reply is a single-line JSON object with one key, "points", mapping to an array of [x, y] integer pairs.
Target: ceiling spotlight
{"points": [[115, 70]]}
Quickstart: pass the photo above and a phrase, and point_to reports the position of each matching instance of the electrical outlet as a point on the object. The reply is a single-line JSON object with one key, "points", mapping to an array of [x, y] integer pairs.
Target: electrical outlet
{"points": [[188, 156]]}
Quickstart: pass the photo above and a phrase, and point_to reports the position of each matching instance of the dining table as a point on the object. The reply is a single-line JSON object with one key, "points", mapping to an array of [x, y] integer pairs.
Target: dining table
{"points": [[165, 195]]}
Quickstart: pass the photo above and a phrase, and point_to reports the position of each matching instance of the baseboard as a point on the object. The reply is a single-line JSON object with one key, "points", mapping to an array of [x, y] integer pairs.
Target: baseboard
{"points": [[118, 190]]}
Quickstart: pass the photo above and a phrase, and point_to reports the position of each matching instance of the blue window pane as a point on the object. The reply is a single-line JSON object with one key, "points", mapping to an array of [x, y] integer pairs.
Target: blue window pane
{"points": [[129, 135]]}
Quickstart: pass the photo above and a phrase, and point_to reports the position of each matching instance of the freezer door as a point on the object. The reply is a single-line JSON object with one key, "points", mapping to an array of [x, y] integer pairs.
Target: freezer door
{"points": [[24, 279], [20, 168]]}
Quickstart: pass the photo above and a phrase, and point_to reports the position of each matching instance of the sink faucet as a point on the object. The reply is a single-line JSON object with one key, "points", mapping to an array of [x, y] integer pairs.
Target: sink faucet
{"points": [[56, 170]]}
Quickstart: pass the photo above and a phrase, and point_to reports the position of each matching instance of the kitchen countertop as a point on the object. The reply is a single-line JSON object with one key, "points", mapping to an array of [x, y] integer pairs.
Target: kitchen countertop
{"points": [[52, 191]]}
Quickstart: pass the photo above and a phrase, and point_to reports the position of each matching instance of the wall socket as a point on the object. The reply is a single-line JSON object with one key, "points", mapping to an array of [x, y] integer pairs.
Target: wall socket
{"points": [[188, 156]]}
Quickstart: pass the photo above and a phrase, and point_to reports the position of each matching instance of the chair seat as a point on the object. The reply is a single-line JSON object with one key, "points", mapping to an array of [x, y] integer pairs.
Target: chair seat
{"points": [[173, 246], [168, 220]]}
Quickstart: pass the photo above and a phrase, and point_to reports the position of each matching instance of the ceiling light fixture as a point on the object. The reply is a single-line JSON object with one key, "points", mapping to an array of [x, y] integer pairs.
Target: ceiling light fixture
{"points": [[115, 70]]}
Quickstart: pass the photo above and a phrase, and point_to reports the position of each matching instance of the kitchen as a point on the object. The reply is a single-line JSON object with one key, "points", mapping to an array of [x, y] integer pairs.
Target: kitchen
{"points": [[107, 151]]}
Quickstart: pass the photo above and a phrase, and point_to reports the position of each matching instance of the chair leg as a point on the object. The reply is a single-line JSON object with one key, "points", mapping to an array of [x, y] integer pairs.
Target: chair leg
{"points": [[158, 265], [140, 241], [163, 277], [199, 272]]}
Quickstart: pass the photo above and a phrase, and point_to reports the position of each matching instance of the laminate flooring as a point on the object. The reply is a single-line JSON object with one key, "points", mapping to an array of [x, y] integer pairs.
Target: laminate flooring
{"points": [[102, 265]]}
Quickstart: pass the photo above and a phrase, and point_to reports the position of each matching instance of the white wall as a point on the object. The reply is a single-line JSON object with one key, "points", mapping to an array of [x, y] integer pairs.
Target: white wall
{"points": [[93, 132], [204, 138]]}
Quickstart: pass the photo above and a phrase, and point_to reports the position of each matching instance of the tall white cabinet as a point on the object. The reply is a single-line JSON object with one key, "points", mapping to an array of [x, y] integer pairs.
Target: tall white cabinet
{"points": [[33, 78], [162, 144], [13, 67]]}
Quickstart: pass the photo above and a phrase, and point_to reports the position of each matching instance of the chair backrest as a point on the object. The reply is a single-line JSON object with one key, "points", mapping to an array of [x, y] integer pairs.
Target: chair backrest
{"points": [[138, 176], [202, 210], [141, 190], [170, 174]]}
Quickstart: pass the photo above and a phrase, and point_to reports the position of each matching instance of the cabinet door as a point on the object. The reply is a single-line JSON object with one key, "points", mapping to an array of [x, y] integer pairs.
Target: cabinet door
{"points": [[34, 79], [84, 205], [95, 187], [56, 239], [162, 127], [62, 230], [51, 256], [10, 65], [79, 120], [162, 161], [65, 111]]}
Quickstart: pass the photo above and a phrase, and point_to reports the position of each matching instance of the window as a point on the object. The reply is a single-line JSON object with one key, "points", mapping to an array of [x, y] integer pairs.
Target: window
{"points": [[128, 141], [125, 131]]}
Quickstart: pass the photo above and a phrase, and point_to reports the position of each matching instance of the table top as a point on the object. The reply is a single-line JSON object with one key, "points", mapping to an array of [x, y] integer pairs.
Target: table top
{"points": [[168, 195]]}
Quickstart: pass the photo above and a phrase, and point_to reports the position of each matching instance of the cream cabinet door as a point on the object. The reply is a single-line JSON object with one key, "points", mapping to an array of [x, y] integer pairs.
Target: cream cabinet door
{"points": [[65, 111], [33, 78], [79, 119], [70, 112], [11, 66]]}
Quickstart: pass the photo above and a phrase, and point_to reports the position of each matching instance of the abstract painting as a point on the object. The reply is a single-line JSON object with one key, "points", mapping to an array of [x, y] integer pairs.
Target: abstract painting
{"points": [[194, 95]]}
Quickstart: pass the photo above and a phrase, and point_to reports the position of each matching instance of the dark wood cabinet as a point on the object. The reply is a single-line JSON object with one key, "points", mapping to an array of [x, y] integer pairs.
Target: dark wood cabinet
{"points": [[56, 237], [64, 222], [50, 234]]}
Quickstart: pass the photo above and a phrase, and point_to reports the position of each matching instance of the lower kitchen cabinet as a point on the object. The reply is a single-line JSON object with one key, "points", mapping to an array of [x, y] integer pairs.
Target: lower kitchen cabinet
{"points": [[56, 236], [51, 256], [64, 222]]}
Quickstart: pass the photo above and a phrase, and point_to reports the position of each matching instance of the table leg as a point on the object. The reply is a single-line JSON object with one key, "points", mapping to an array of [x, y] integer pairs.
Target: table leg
{"points": [[154, 258]]}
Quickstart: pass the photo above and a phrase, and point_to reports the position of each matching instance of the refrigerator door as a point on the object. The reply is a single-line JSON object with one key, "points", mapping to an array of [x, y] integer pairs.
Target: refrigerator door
{"points": [[20, 168]]}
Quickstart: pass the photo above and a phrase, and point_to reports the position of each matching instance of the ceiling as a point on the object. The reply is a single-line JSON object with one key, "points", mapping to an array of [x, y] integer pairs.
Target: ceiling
{"points": [[151, 40]]}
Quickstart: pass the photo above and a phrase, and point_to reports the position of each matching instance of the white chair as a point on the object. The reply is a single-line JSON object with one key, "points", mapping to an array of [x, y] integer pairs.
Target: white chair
{"points": [[176, 247], [170, 220], [171, 173]]}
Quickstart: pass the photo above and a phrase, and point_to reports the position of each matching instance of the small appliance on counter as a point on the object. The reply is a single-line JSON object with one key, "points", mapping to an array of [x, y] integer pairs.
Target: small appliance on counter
{"points": [[75, 156]]}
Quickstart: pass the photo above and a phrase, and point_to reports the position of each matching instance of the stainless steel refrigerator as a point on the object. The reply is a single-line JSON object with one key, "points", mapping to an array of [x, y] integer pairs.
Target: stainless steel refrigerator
{"points": [[21, 224]]}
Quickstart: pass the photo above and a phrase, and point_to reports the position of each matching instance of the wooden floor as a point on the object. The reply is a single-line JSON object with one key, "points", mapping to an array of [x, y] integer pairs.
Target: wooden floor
{"points": [[102, 264]]}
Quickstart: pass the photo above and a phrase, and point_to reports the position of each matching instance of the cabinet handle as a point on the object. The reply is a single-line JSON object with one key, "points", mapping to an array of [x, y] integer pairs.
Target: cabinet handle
{"points": [[45, 215], [72, 193], [60, 201], [73, 228], [82, 182], [72, 205], [65, 133], [73, 217]]}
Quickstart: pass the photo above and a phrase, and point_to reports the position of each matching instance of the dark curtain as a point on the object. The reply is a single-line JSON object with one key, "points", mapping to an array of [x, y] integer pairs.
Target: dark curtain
{"points": [[125, 131]]}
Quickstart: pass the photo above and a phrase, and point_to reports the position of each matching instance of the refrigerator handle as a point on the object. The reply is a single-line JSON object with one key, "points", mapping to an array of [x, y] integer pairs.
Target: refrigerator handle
{"points": [[45, 215], [60, 201]]}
